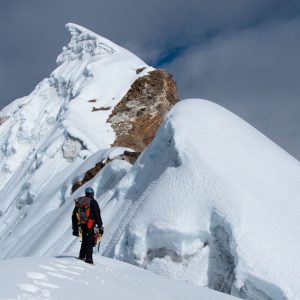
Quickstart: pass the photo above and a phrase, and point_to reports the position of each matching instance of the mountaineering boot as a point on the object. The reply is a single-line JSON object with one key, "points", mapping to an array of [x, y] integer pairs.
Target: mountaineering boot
{"points": [[89, 261]]}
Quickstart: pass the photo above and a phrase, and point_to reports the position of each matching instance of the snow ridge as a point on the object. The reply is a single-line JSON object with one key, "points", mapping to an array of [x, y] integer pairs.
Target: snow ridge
{"points": [[83, 42], [215, 213]]}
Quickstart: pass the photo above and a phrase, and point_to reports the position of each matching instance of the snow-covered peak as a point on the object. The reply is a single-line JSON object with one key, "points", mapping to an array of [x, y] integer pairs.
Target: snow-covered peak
{"points": [[84, 42], [86, 55], [93, 73], [62, 121]]}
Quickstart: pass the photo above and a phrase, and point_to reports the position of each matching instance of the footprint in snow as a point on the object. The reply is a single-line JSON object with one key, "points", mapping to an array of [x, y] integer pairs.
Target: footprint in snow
{"points": [[54, 274], [35, 275], [64, 267], [45, 284], [62, 261], [34, 289], [59, 265], [48, 268], [77, 268], [70, 272], [40, 280]]}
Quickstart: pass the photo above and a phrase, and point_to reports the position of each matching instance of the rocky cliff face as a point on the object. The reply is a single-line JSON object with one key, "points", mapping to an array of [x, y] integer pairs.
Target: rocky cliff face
{"points": [[138, 115]]}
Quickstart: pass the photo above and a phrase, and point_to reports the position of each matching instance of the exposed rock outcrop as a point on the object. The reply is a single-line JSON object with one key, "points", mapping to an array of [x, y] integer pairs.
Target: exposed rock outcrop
{"points": [[91, 173], [100, 108], [140, 70], [138, 115], [3, 119]]}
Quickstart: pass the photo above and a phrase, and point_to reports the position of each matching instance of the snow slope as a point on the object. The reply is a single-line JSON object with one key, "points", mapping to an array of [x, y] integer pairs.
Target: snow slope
{"points": [[215, 203], [64, 277], [211, 201], [49, 133]]}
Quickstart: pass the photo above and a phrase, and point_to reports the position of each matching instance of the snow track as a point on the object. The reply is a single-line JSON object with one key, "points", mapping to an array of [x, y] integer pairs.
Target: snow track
{"points": [[129, 212]]}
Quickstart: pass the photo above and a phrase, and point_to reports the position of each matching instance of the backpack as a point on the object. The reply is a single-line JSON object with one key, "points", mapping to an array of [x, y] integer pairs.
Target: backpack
{"points": [[83, 211]]}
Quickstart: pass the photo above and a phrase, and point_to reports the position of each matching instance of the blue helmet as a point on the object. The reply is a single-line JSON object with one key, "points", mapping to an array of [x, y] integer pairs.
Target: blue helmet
{"points": [[89, 191]]}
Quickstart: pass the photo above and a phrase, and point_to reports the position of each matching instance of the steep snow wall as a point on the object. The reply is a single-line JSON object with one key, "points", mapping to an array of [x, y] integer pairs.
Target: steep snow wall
{"points": [[213, 202]]}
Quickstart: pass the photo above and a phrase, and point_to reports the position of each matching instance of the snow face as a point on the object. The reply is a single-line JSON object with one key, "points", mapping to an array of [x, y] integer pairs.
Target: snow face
{"points": [[44, 226], [48, 135], [29, 122], [64, 277], [214, 202]]}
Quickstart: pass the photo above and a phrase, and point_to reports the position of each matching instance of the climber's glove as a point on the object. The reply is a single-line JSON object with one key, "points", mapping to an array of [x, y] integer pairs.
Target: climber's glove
{"points": [[75, 232], [101, 230]]}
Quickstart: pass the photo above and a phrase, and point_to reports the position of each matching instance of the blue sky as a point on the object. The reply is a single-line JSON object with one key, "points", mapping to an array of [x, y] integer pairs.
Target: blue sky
{"points": [[242, 54]]}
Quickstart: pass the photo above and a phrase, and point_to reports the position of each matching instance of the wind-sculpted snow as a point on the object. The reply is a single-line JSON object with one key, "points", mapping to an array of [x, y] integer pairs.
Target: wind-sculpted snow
{"points": [[84, 43], [221, 206]]}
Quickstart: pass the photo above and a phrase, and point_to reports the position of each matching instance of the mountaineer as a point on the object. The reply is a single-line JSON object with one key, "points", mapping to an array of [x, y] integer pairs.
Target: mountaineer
{"points": [[86, 218]]}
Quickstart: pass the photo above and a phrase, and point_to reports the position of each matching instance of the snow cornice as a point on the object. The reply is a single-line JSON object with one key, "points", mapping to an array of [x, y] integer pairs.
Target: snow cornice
{"points": [[84, 42]]}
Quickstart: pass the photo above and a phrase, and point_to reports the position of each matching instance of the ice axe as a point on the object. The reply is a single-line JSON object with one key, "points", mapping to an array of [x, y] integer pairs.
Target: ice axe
{"points": [[99, 239]]}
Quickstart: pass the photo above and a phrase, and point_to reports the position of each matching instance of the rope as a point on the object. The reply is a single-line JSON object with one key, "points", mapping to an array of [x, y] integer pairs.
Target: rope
{"points": [[226, 278]]}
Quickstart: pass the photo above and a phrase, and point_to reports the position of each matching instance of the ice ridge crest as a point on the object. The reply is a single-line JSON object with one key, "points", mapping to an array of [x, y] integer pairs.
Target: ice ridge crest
{"points": [[83, 42]]}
